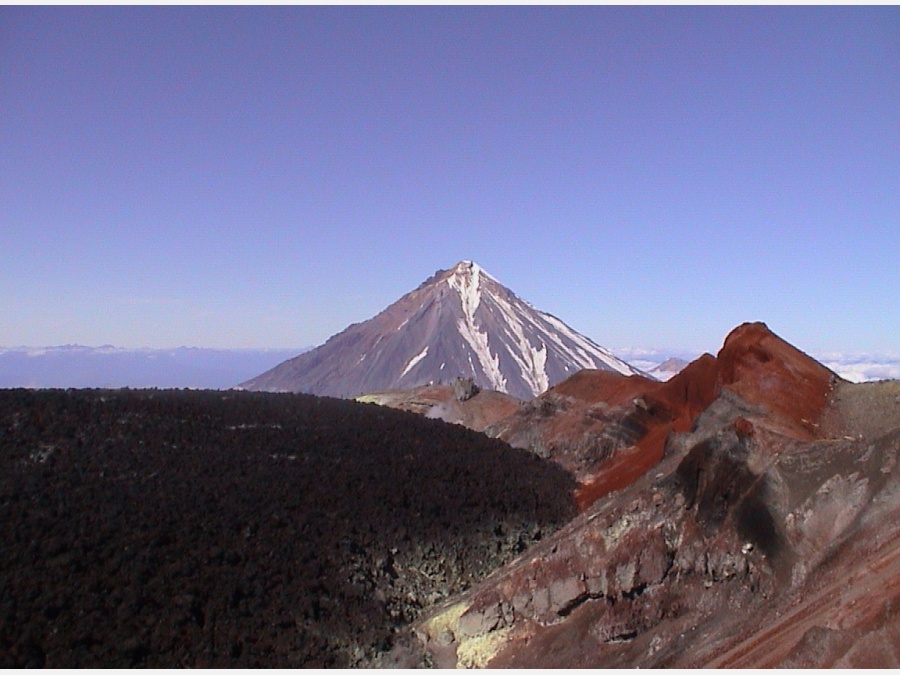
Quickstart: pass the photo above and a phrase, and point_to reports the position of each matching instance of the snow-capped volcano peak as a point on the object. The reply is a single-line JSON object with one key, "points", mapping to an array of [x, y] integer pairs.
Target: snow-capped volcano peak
{"points": [[461, 322], [466, 280]]}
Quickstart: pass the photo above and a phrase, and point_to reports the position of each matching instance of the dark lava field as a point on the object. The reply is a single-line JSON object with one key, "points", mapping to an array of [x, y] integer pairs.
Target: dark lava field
{"points": [[145, 528]]}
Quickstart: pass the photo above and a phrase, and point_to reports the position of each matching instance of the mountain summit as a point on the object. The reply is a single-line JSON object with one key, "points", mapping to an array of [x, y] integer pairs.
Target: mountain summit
{"points": [[461, 322]]}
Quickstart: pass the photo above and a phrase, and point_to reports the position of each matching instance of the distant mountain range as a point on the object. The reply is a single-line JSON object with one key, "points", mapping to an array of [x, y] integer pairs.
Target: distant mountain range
{"points": [[77, 366], [461, 322]]}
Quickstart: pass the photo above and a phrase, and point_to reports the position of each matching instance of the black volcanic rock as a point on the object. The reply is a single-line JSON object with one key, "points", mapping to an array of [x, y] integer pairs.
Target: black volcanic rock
{"points": [[173, 529], [459, 323]]}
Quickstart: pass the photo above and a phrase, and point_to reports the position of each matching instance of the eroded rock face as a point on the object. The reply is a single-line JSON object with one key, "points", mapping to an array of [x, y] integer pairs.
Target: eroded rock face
{"points": [[768, 533], [608, 429], [464, 388], [766, 370], [478, 409]]}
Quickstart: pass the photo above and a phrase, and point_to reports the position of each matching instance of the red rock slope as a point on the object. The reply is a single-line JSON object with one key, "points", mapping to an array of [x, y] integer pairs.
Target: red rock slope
{"points": [[609, 429], [767, 535]]}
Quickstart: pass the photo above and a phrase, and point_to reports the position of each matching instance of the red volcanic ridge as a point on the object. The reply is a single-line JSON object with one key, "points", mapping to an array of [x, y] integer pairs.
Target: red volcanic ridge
{"points": [[765, 531], [609, 429], [754, 363]]}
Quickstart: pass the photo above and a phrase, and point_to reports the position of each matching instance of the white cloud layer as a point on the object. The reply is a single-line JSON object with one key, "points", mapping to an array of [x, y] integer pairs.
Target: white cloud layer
{"points": [[862, 367], [851, 366]]}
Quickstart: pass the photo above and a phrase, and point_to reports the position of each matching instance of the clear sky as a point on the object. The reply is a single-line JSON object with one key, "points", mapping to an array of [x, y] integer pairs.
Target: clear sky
{"points": [[263, 177]]}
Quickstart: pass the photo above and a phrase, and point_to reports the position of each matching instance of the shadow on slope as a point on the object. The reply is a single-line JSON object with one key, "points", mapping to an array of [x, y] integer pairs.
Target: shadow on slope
{"points": [[173, 529]]}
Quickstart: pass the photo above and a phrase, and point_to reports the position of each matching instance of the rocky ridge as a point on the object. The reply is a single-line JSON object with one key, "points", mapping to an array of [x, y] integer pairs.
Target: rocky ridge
{"points": [[475, 410], [765, 530]]}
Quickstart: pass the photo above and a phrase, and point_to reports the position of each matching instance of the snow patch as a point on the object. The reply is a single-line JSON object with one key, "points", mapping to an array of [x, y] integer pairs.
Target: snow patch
{"points": [[591, 354], [414, 360], [466, 281], [532, 361], [527, 334]]}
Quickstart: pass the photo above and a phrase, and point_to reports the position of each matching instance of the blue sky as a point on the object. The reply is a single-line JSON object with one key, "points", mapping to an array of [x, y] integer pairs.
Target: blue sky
{"points": [[262, 177]]}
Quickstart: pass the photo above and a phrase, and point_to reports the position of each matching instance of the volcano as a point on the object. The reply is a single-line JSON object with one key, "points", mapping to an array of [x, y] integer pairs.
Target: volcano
{"points": [[460, 323]]}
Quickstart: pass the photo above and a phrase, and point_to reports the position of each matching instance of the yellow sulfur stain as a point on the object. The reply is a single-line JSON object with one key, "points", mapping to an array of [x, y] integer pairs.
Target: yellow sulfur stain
{"points": [[476, 652]]}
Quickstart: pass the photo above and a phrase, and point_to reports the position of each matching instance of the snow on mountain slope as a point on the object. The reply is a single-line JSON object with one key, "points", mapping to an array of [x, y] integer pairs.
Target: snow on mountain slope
{"points": [[461, 322]]}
